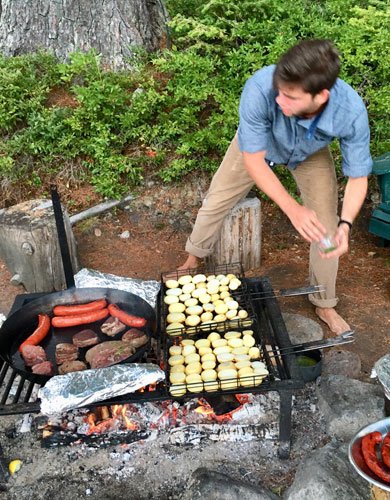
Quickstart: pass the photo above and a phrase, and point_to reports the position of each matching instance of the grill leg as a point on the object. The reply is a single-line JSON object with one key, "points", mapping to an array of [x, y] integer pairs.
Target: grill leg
{"points": [[285, 424], [4, 474]]}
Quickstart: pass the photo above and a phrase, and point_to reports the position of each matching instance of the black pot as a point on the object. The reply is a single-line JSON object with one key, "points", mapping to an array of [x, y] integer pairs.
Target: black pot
{"points": [[310, 371]]}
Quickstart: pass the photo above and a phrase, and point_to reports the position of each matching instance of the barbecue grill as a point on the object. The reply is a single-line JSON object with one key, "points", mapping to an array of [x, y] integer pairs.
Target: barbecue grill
{"points": [[17, 395]]}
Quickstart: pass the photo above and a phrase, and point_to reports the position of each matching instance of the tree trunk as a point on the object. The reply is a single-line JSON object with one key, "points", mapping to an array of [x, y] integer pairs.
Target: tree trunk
{"points": [[240, 236], [30, 248], [111, 27]]}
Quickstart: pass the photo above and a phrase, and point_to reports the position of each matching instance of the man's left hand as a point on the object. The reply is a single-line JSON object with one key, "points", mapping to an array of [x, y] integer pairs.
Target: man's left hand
{"points": [[341, 239]]}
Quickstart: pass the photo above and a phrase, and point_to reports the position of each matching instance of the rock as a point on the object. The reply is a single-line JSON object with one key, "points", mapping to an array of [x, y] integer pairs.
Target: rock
{"points": [[382, 368], [134, 217], [348, 405], [211, 485], [125, 235], [148, 202], [302, 329], [338, 362], [327, 475]]}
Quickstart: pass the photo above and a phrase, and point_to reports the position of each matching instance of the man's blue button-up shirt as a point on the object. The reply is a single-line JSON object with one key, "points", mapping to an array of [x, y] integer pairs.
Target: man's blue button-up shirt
{"points": [[290, 140]]}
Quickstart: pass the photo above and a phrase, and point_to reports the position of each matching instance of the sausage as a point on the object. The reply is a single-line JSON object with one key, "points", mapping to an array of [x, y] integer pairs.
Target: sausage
{"points": [[80, 319], [369, 443], [124, 317], [386, 450], [39, 333], [79, 308]]}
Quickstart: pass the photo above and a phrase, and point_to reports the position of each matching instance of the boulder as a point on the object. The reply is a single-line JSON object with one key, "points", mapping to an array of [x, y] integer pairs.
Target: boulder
{"points": [[327, 475], [348, 405], [340, 362], [302, 329], [212, 485]]}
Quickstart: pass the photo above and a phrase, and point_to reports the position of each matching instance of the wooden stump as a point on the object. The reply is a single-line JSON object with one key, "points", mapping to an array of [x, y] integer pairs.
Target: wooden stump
{"points": [[29, 246], [240, 237]]}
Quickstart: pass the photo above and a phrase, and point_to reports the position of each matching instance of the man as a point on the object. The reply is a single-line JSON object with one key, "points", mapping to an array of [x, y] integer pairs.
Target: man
{"points": [[289, 114]]}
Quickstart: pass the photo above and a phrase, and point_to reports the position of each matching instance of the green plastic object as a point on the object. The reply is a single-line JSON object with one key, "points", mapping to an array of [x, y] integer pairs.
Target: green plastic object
{"points": [[380, 218]]}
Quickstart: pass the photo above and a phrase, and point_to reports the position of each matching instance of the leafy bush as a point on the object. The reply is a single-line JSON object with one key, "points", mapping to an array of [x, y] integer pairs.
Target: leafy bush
{"points": [[176, 111]]}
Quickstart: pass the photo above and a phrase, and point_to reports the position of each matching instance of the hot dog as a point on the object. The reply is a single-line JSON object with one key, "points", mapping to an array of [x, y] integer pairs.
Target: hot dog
{"points": [[124, 317], [369, 443], [80, 319], [79, 308], [39, 333], [386, 450]]}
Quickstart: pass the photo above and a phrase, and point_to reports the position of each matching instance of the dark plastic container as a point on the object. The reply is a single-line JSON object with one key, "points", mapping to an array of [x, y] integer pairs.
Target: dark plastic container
{"points": [[310, 373]]}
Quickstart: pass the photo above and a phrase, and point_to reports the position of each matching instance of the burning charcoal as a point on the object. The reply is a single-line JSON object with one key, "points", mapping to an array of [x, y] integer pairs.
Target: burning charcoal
{"points": [[66, 352], [71, 366], [44, 368], [85, 338], [112, 326], [33, 355]]}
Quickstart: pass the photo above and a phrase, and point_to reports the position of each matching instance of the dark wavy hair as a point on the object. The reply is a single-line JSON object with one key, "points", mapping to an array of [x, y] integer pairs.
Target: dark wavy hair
{"points": [[314, 65]]}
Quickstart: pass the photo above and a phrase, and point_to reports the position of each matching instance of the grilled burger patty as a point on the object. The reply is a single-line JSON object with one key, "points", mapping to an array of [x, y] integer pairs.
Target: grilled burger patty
{"points": [[85, 338]]}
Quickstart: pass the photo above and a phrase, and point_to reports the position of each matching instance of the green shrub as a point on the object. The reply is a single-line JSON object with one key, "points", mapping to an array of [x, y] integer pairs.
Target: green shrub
{"points": [[176, 111]]}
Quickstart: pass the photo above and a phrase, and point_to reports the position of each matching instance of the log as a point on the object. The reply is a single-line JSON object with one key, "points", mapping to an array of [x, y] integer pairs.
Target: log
{"points": [[30, 248], [98, 209], [240, 237]]}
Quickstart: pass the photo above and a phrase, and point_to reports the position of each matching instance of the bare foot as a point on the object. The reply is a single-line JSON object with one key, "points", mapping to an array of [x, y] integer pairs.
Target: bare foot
{"points": [[190, 263], [335, 322]]}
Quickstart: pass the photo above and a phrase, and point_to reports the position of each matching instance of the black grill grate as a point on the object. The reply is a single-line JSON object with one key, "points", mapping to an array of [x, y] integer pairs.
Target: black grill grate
{"points": [[17, 394]]}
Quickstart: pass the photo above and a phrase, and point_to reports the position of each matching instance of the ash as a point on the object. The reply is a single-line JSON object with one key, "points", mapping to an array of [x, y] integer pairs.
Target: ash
{"points": [[160, 466]]}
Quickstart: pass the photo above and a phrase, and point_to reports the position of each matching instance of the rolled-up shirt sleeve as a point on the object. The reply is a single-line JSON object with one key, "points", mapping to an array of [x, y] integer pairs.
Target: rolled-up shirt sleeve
{"points": [[355, 148], [254, 127]]}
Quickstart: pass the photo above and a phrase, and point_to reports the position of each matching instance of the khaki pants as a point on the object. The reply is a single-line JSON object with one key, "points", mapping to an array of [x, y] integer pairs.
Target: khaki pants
{"points": [[316, 179]]}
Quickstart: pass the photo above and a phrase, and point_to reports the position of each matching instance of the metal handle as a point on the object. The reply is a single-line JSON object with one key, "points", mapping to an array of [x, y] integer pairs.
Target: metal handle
{"points": [[62, 239], [288, 292], [345, 338]]}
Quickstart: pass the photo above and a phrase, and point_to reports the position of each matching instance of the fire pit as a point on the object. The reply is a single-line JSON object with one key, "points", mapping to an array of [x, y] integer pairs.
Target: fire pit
{"points": [[18, 395]]}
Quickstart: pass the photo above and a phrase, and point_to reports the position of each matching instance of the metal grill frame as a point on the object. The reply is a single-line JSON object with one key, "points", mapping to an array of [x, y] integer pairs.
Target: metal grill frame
{"points": [[274, 334]]}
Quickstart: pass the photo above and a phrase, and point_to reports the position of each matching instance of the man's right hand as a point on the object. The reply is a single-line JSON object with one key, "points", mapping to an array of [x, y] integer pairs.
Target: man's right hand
{"points": [[303, 219], [306, 223]]}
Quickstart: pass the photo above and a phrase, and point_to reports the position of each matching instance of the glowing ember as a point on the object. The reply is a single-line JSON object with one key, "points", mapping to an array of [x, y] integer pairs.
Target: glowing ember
{"points": [[118, 419], [206, 409]]}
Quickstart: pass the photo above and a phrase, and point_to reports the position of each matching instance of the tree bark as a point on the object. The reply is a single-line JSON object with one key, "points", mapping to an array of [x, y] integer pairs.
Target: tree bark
{"points": [[30, 248], [240, 236], [111, 27]]}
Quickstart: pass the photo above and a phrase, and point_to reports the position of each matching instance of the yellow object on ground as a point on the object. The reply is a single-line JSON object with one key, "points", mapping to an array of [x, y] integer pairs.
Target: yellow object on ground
{"points": [[15, 466]]}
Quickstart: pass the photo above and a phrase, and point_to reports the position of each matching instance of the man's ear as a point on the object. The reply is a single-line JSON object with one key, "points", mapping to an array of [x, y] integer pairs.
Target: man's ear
{"points": [[322, 97]]}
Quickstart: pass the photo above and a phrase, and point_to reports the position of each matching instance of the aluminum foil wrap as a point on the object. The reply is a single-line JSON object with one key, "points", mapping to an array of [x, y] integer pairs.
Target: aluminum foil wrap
{"points": [[76, 389], [147, 290], [382, 368]]}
